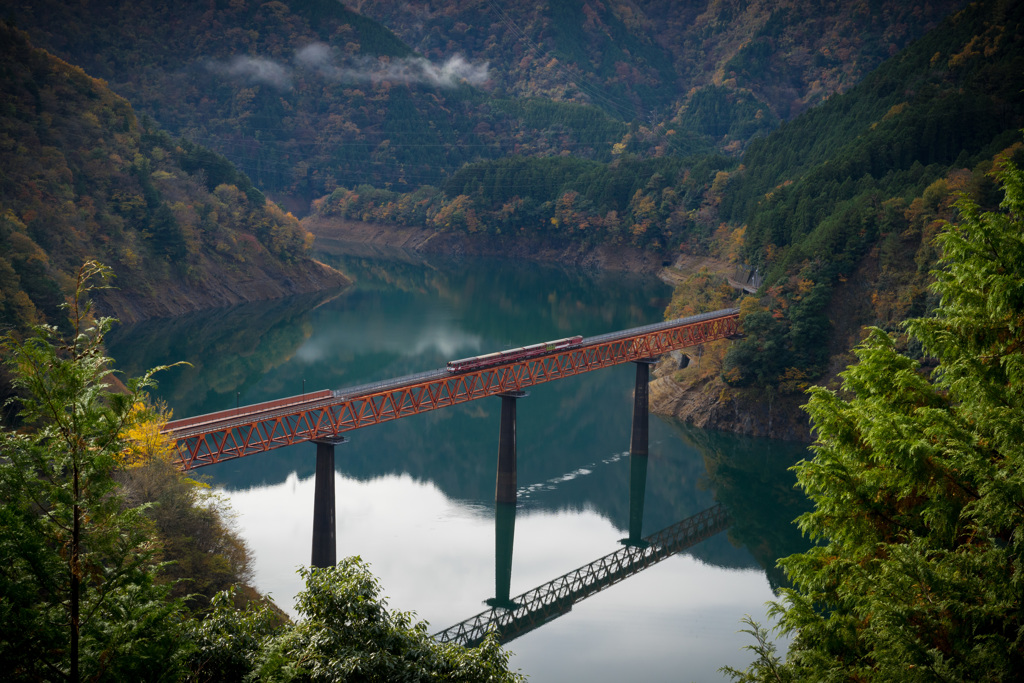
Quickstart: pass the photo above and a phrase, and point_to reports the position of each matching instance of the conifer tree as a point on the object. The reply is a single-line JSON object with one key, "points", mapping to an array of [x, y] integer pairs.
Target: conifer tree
{"points": [[918, 485], [78, 597]]}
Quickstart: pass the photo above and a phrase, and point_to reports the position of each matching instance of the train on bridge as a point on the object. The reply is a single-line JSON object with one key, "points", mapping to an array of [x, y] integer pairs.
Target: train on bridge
{"points": [[255, 428], [513, 355]]}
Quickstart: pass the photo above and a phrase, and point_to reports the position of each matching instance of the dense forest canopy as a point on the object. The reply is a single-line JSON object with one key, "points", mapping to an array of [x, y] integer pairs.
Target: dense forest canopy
{"points": [[865, 175], [318, 100], [307, 97], [644, 124], [635, 58], [83, 178]]}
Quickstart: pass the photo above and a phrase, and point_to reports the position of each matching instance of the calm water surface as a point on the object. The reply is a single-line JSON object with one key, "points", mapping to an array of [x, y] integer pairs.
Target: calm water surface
{"points": [[415, 497]]}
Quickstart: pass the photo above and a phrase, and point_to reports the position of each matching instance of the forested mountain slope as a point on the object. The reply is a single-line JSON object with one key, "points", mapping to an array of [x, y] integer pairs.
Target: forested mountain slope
{"points": [[306, 96], [839, 208], [817, 195], [82, 178], [662, 190], [635, 57]]}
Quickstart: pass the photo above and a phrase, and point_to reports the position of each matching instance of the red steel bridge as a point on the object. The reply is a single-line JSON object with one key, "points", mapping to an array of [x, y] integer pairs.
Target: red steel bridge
{"points": [[247, 430]]}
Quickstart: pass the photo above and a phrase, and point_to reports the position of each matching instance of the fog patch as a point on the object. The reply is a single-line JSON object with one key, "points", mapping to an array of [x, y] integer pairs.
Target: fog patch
{"points": [[254, 70], [320, 58]]}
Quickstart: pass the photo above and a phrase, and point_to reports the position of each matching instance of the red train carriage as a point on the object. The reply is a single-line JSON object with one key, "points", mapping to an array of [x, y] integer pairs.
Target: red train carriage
{"points": [[512, 355]]}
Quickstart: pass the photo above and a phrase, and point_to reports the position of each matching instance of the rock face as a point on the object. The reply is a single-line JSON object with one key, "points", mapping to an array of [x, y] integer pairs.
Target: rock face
{"points": [[219, 287], [711, 404]]}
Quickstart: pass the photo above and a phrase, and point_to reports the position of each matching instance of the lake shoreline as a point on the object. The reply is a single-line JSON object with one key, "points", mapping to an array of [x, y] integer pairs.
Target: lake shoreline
{"points": [[709, 405], [422, 240]]}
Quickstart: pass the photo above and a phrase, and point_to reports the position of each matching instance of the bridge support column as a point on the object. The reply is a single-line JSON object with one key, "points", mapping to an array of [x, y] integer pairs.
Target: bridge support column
{"points": [[505, 487], [324, 526], [504, 537], [637, 492], [638, 438]]}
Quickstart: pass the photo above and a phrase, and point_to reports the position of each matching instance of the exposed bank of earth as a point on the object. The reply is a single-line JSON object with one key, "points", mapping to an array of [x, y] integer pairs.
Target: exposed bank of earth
{"points": [[477, 245], [686, 386], [215, 284]]}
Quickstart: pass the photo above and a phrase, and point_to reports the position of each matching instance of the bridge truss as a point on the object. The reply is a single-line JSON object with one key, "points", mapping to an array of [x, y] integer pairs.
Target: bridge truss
{"points": [[553, 599], [212, 438]]}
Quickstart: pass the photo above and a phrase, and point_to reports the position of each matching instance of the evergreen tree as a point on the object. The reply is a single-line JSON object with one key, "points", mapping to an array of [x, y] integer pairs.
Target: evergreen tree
{"points": [[78, 596], [918, 485]]}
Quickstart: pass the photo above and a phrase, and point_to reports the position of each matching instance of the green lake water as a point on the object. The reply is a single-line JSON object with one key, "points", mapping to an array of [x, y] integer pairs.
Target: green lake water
{"points": [[415, 497]]}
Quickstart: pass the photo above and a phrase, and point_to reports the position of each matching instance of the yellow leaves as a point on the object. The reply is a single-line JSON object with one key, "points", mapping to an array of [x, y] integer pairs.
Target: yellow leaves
{"points": [[130, 258], [458, 213], [643, 206], [970, 50], [718, 186], [794, 381], [731, 376], [728, 242], [896, 110], [143, 439], [228, 194], [749, 305]]}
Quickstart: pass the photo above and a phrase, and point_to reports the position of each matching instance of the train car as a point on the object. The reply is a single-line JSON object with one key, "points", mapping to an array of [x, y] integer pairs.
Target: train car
{"points": [[513, 355]]}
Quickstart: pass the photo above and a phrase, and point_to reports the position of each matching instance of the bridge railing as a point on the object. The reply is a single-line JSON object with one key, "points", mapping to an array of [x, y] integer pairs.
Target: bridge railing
{"points": [[175, 426]]}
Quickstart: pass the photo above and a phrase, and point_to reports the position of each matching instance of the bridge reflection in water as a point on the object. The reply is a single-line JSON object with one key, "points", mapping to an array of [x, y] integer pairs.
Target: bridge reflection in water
{"points": [[536, 607]]}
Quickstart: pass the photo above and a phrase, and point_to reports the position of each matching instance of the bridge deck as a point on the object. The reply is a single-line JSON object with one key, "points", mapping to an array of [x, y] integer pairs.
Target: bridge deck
{"points": [[208, 439]]}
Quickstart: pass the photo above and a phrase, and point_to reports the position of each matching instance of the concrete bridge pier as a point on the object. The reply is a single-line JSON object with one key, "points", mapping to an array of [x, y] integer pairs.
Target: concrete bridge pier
{"points": [[637, 492], [504, 536], [324, 526], [638, 438], [505, 487]]}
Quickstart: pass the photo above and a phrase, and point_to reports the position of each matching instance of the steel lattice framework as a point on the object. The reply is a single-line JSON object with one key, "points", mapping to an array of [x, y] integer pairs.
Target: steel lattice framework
{"points": [[555, 598], [208, 439]]}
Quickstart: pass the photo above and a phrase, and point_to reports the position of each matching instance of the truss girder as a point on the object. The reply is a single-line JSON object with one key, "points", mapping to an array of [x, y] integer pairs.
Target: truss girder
{"points": [[205, 443], [552, 599]]}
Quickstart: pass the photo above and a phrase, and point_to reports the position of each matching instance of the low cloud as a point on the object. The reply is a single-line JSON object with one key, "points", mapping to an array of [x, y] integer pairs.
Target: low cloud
{"points": [[256, 70], [320, 58], [314, 56]]}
